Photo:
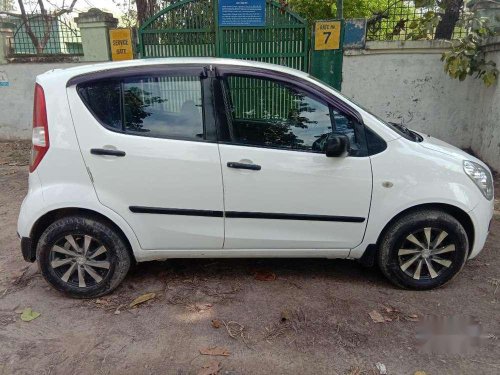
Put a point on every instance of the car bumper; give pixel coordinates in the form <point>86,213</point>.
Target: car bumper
<point>482,217</point>
<point>30,210</point>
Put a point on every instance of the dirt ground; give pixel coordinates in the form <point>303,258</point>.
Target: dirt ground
<point>280,316</point>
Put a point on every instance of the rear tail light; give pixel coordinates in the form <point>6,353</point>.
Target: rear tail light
<point>40,138</point>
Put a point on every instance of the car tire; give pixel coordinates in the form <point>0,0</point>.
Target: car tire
<point>423,250</point>
<point>82,257</point>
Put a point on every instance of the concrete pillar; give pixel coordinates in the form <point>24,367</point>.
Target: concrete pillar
<point>6,34</point>
<point>94,26</point>
<point>488,9</point>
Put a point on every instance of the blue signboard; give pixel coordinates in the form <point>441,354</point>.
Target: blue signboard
<point>242,12</point>
<point>355,33</point>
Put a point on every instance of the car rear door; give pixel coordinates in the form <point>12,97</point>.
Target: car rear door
<point>147,137</point>
<point>280,189</point>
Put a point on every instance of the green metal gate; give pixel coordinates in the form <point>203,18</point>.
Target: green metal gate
<point>184,29</point>
<point>283,41</point>
<point>189,28</point>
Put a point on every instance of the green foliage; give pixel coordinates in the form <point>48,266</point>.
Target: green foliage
<point>363,8</point>
<point>423,27</point>
<point>313,10</point>
<point>467,58</point>
<point>326,9</point>
<point>424,3</point>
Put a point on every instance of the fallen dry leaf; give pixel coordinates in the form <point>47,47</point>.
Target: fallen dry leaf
<point>420,373</point>
<point>265,276</point>
<point>412,318</point>
<point>216,323</point>
<point>141,299</point>
<point>390,309</point>
<point>376,316</point>
<point>28,315</point>
<point>212,367</point>
<point>215,350</point>
<point>199,307</point>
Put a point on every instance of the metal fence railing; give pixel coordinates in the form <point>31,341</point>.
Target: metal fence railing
<point>53,36</point>
<point>398,20</point>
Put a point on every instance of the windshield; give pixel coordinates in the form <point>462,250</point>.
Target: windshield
<point>401,129</point>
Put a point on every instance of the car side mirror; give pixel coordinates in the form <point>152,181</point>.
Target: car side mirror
<point>337,145</point>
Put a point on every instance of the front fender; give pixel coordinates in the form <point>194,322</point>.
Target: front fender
<point>406,176</point>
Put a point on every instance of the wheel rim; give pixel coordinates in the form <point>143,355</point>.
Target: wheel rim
<point>80,260</point>
<point>427,253</point>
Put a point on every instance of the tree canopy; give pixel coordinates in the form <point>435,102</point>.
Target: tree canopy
<point>324,9</point>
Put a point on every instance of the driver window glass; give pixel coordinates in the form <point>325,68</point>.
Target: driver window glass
<point>268,113</point>
<point>345,125</point>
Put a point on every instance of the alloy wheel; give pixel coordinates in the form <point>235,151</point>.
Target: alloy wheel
<point>426,253</point>
<point>80,260</point>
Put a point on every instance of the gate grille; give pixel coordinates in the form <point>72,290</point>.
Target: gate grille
<point>188,29</point>
<point>184,29</point>
<point>283,41</point>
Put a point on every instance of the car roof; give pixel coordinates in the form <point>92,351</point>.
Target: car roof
<point>68,73</point>
<point>61,77</point>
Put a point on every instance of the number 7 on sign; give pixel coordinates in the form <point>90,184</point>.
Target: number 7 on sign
<point>327,35</point>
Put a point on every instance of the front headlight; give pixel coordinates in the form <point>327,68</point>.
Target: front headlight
<point>481,177</point>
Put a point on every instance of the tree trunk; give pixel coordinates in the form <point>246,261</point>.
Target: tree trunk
<point>145,9</point>
<point>445,27</point>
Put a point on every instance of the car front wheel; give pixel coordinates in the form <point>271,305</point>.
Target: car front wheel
<point>423,250</point>
<point>82,257</point>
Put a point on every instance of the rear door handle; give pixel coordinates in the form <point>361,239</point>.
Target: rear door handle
<point>106,151</point>
<point>253,167</point>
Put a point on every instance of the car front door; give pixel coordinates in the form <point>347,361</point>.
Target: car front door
<point>280,189</point>
<point>147,137</point>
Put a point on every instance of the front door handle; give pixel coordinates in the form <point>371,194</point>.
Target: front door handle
<point>106,151</point>
<point>253,167</point>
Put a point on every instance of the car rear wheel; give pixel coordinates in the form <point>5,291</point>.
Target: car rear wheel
<point>82,257</point>
<point>423,250</point>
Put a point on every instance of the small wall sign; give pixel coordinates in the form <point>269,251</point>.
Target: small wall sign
<point>242,12</point>
<point>4,80</point>
<point>355,33</point>
<point>326,35</point>
<point>120,41</point>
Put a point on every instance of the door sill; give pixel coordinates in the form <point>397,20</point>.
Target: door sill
<point>147,255</point>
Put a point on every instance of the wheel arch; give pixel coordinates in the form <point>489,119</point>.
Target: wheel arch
<point>368,257</point>
<point>49,217</point>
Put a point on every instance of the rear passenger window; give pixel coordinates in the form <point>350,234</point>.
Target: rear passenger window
<point>164,107</point>
<point>161,107</point>
<point>103,99</point>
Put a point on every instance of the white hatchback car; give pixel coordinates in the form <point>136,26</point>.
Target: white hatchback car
<point>202,157</point>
